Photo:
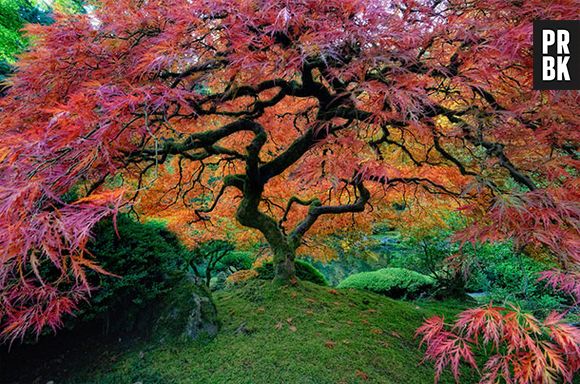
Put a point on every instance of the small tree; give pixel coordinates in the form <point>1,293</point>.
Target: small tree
<point>204,259</point>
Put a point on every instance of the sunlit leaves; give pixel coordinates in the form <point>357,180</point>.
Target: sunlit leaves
<point>517,347</point>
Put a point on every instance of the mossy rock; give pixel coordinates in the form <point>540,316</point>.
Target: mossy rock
<point>188,313</point>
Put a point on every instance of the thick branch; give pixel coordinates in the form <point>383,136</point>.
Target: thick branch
<point>316,210</point>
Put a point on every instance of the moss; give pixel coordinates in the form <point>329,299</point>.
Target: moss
<point>303,334</point>
<point>187,313</point>
<point>304,271</point>
<point>392,282</point>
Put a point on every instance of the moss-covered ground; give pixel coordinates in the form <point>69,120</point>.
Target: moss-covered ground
<point>303,334</point>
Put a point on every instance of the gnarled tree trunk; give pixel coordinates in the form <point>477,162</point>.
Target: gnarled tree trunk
<point>284,266</point>
<point>248,214</point>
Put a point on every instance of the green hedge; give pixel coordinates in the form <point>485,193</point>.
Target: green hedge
<point>304,271</point>
<point>392,282</point>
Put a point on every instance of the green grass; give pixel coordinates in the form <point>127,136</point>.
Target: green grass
<point>305,334</point>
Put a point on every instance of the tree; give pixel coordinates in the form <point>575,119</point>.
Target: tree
<point>208,255</point>
<point>287,116</point>
<point>15,13</point>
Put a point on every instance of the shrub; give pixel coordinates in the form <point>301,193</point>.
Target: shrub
<point>304,271</point>
<point>392,282</point>
<point>235,261</point>
<point>146,258</point>
<point>497,269</point>
<point>508,276</point>
<point>231,263</point>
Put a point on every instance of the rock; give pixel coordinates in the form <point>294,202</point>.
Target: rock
<point>188,312</point>
<point>243,330</point>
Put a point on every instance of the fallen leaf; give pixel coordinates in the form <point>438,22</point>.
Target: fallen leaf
<point>261,310</point>
<point>293,328</point>
<point>361,375</point>
<point>333,292</point>
<point>293,295</point>
<point>329,344</point>
<point>289,320</point>
<point>397,335</point>
<point>278,325</point>
<point>310,300</point>
<point>377,331</point>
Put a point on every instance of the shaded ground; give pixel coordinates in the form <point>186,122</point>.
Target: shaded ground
<point>306,334</point>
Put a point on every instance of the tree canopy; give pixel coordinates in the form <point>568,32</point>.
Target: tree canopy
<point>289,117</point>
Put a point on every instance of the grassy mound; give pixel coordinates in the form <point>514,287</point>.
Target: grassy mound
<point>305,334</point>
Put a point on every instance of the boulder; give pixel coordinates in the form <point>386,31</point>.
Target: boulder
<point>188,312</point>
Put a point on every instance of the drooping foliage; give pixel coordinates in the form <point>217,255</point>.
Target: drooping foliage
<point>288,116</point>
<point>518,347</point>
<point>14,14</point>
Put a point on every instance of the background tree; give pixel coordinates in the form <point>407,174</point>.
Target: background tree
<point>288,116</point>
<point>204,259</point>
<point>14,14</point>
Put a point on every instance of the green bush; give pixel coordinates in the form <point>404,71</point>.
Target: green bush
<point>304,271</point>
<point>235,261</point>
<point>507,276</point>
<point>392,282</point>
<point>146,258</point>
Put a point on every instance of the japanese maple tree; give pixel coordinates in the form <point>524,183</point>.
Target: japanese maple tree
<point>519,348</point>
<point>288,116</point>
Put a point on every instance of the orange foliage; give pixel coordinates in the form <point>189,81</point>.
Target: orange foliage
<point>241,276</point>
